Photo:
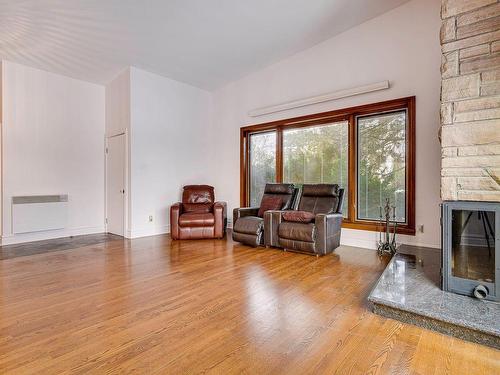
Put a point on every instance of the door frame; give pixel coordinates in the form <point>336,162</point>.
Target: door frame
<point>126,227</point>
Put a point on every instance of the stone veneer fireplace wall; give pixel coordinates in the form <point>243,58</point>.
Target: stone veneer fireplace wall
<point>415,286</point>
<point>470,100</point>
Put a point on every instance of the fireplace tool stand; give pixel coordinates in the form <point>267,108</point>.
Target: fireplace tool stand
<point>388,245</point>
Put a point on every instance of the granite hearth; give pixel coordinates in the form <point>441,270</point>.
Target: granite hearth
<point>409,290</point>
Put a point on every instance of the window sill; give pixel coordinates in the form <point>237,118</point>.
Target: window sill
<point>376,227</point>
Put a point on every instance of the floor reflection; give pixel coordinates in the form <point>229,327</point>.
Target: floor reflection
<point>273,306</point>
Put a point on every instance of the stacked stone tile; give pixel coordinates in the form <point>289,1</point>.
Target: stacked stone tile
<point>470,100</point>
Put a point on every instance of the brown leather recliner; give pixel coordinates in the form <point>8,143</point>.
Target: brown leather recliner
<point>314,228</point>
<point>198,216</point>
<point>248,226</point>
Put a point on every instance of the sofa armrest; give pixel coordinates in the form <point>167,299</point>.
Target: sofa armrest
<point>244,211</point>
<point>220,215</point>
<point>272,221</point>
<point>328,228</point>
<point>175,212</point>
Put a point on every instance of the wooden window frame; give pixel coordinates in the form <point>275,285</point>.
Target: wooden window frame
<point>350,115</point>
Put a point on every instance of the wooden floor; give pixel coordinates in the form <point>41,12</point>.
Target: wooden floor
<point>150,306</point>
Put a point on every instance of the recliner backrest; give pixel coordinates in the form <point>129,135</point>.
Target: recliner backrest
<point>286,192</point>
<point>321,198</point>
<point>198,198</point>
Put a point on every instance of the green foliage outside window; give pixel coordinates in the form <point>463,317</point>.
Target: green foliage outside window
<point>382,164</point>
<point>262,164</point>
<point>317,154</point>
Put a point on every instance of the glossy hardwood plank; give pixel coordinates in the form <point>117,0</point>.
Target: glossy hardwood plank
<point>155,306</point>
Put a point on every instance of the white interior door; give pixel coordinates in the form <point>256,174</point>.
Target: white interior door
<point>115,185</point>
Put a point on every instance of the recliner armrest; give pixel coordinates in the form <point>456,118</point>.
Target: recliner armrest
<point>221,206</point>
<point>244,211</point>
<point>177,206</point>
<point>220,215</point>
<point>175,212</point>
<point>333,221</point>
<point>328,228</point>
<point>272,220</point>
<point>329,217</point>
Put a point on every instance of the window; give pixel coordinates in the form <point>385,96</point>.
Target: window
<point>381,171</point>
<point>262,164</point>
<point>316,154</point>
<point>367,150</point>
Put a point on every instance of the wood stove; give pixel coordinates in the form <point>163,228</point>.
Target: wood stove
<point>471,249</point>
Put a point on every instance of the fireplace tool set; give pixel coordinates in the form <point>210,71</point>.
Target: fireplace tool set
<point>387,246</point>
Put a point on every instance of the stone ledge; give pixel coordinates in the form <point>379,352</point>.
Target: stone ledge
<point>440,326</point>
<point>465,172</point>
<point>474,105</point>
<point>479,64</point>
<point>471,41</point>
<point>484,132</point>
<point>479,14</point>
<point>482,196</point>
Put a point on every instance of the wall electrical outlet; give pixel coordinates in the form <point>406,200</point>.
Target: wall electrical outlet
<point>150,218</point>
<point>421,228</point>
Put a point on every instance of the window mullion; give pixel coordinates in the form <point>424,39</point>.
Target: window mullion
<point>351,204</point>
<point>279,155</point>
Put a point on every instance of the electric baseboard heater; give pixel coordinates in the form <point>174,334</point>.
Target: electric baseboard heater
<point>36,213</point>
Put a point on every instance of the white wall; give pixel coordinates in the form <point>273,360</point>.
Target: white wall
<point>118,104</point>
<point>401,46</point>
<point>53,138</point>
<point>171,146</point>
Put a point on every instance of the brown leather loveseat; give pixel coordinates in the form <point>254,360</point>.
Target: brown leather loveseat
<point>314,227</point>
<point>198,216</point>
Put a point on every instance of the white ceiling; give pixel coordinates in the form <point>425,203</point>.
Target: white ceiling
<point>206,43</point>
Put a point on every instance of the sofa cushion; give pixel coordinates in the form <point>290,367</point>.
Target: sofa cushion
<point>299,216</point>
<point>196,219</point>
<point>249,225</point>
<point>269,202</point>
<point>297,231</point>
<point>198,207</point>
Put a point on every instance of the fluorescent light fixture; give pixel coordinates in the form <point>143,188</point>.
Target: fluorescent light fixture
<point>383,85</point>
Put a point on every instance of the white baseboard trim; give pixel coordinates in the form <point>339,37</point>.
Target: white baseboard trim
<point>368,240</point>
<point>49,235</point>
<point>372,245</point>
<point>147,231</point>
<point>357,242</point>
<point>366,244</point>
